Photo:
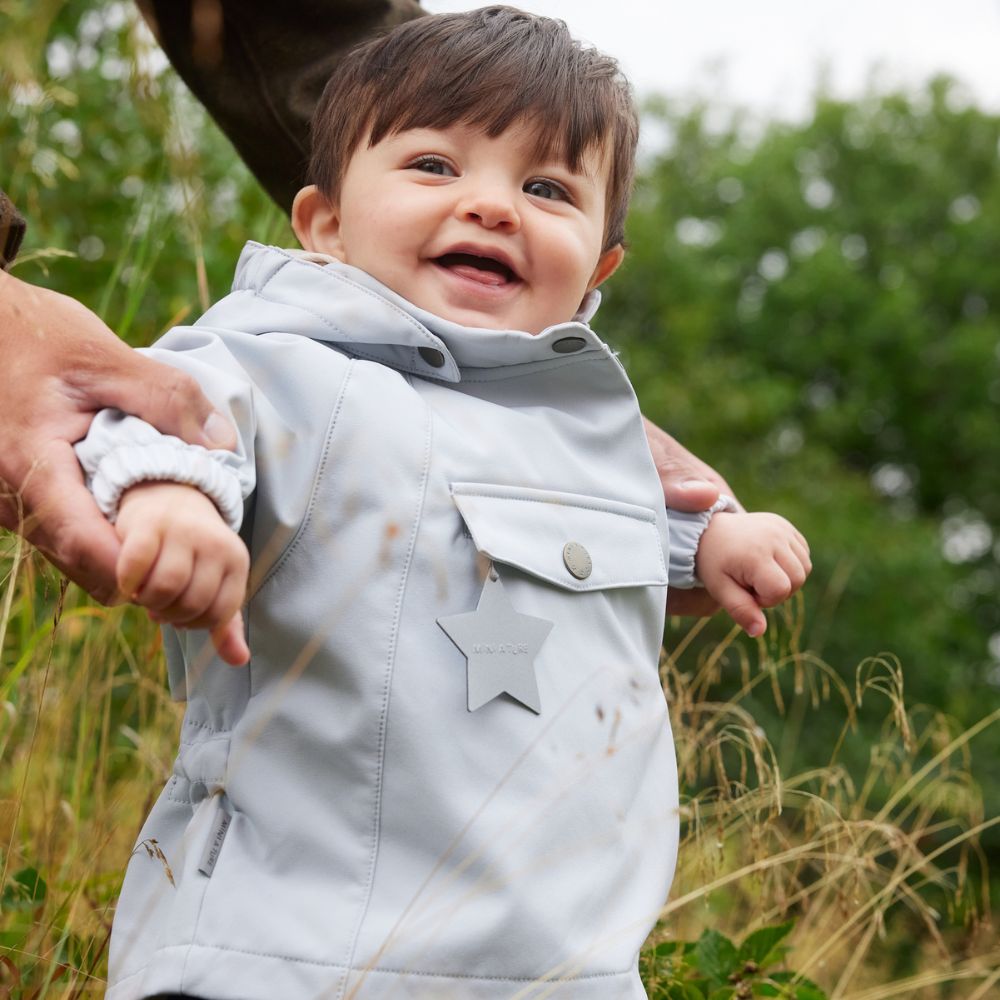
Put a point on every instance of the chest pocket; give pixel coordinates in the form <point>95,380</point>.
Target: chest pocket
<point>573,541</point>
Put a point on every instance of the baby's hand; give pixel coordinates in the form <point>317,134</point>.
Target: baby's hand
<point>751,561</point>
<point>183,563</point>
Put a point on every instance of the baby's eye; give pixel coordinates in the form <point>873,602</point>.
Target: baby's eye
<point>547,189</point>
<point>433,165</point>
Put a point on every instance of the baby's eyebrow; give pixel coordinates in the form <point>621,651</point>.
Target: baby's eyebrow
<point>580,171</point>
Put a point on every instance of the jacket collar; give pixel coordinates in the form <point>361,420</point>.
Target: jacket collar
<point>326,300</point>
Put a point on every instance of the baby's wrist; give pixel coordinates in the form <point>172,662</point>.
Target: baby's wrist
<point>686,531</point>
<point>162,494</point>
<point>725,507</point>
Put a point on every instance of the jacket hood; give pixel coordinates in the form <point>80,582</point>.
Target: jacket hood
<point>314,296</point>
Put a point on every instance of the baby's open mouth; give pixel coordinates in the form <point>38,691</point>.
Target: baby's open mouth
<point>485,270</point>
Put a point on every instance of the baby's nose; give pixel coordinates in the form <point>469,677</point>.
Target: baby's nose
<point>492,207</point>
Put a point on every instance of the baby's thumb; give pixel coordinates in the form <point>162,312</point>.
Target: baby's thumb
<point>229,642</point>
<point>740,604</point>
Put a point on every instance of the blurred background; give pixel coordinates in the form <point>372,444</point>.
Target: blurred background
<point>811,303</point>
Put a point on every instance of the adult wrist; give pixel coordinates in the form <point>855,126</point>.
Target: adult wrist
<point>12,229</point>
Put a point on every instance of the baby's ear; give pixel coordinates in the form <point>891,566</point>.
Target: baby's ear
<point>609,262</point>
<point>316,222</point>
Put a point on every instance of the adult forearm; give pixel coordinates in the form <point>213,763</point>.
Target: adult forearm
<point>61,363</point>
<point>689,484</point>
<point>259,68</point>
<point>12,227</point>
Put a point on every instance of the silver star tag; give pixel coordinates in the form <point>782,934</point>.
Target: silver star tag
<point>500,645</point>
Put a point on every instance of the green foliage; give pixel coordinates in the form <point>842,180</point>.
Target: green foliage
<point>814,308</point>
<point>714,968</point>
<point>25,891</point>
<point>137,206</point>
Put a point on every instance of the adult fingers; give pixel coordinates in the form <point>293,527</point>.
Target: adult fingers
<point>696,602</point>
<point>167,398</point>
<point>688,483</point>
<point>57,514</point>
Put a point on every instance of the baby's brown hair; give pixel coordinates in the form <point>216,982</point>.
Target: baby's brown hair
<point>489,68</point>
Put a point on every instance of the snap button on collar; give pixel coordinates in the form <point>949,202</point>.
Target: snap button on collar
<point>569,345</point>
<point>432,356</point>
<point>577,560</point>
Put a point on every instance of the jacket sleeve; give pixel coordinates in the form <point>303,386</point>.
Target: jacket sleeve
<point>121,450</point>
<point>685,532</point>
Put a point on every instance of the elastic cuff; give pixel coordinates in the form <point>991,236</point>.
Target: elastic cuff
<point>685,533</point>
<point>166,462</point>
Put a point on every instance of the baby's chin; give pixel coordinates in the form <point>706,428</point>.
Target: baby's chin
<point>482,319</point>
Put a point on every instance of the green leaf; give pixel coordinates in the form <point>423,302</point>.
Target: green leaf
<point>683,991</point>
<point>759,946</point>
<point>800,989</point>
<point>25,890</point>
<point>665,949</point>
<point>723,993</point>
<point>715,957</point>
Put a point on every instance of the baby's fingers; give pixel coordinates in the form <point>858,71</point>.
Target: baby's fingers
<point>229,642</point>
<point>795,565</point>
<point>227,599</point>
<point>135,559</point>
<point>772,585</point>
<point>740,605</point>
<point>801,550</point>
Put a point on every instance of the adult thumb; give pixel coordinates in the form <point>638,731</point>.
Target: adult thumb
<point>164,396</point>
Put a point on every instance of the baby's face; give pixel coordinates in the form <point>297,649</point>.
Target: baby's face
<point>474,229</point>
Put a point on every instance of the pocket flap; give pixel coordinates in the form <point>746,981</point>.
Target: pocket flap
<point>531,529</point>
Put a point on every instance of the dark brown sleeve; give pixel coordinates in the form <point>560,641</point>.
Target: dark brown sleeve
<point>259,67</point>
<point>12,227</point>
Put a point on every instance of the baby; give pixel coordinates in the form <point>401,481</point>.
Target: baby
<point>447,769</point>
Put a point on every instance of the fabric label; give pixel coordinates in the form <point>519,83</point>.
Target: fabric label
<point>214,845</point>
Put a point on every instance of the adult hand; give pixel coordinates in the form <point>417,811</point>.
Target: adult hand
<point>60,365</point>
<point>689,485</point>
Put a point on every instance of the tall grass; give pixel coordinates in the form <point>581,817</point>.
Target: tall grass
<point>880,870</point>
<point>882,874</point>
<point>87,734</point>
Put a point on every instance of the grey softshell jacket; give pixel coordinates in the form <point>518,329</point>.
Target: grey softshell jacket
<point>338,824</point>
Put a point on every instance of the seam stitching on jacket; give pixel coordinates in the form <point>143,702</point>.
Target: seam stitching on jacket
<point>555,503</point>
<point>593,355</point>
<point>314,489</point>
<point>343,280</point>
<point>194,724</point>
<point>384,716</point>
<point>545,364</point>
<point>561,505</point>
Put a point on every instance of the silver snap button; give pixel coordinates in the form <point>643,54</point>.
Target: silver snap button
<point>569,345</point>
<point>577,560</point>
<point>432,356</point>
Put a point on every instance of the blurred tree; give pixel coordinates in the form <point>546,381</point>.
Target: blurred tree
<point>116,166</point>
<point>816,308</point>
